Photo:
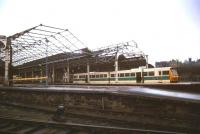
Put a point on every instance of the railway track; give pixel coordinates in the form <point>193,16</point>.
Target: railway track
<point>21,126</point>
<point>17,120</point>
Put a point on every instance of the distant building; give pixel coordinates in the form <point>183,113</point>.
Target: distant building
<point>163,64</point>
<point>172,63</point>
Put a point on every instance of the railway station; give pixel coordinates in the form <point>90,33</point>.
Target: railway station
<point>49,77</point>
<point>50,54</point>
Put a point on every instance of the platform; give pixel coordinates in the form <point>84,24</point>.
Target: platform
<point>178,110</point>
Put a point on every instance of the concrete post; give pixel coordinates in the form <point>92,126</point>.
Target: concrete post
<point>147,65</point>
<point>88,72</point>
<point>46,67</point>
<point>68,76</point>
<point>25,75</point>
<point>116,68</point>
<point>41,71</point>
<point>8,61</point>
<point>53,74</point>
<point>32,74</point>
<point>147,61</point>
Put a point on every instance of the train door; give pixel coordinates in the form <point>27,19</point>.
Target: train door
<point>138,77</point>
<point>86,79</point>
<point>71,78</point>
<point>109,77</point>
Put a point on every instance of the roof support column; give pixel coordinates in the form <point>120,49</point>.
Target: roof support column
<point>53,74</point>
<point>8,62</point>
<point>46,67</point>
<point>88,72</point>
<point>32,74</point>
<point>116,68</point>
<point>68,76</point>
<point>147,66</point>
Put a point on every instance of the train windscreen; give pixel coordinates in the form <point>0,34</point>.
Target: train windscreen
<point>174,72</point>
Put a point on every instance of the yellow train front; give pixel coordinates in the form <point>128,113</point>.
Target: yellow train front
<point>173,75</point>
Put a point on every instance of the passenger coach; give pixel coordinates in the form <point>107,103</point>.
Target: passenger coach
<point>132,76</point>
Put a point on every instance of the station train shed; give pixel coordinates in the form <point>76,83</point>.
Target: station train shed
<point>45,53</point>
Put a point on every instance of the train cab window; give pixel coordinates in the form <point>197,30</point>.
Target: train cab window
<point>121,75</point>
<point>165,72</point>
<point>132,74</point>
<point>144,73</point>
<point>105,75</point>
<point>112,75</point>
<point>151,73</point>
<point>174,72</point>
<point>127,74</point>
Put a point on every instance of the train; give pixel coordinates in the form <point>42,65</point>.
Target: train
<point>132,76</point>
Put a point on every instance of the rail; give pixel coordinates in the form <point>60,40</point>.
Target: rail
<point>14,125</point>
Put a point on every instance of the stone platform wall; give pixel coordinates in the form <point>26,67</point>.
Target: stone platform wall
<point>146,110</point>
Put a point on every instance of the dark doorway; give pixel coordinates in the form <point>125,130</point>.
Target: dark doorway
<point>138,77</point>
<point>71,78</point>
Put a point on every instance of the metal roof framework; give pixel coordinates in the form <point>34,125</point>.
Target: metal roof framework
<point>43,41</point>
<point>128,49</point>
<point>48,45</point>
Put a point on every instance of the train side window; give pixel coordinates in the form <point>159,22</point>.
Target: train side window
<point>97,76</point>
<point>127,74</point>
<point>105,75</point>
<point>112,75</point>
<point>144,73</point>
<point>132,74</point>
<point>92,76</point>
<point>165,72</point>
<point>101,75</point>
<point>75,77</point>
<point>81,76</point>
<point>121,74</point>
<point>151,73</point>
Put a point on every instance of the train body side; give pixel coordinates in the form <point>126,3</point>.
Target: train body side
<point>132,76</point>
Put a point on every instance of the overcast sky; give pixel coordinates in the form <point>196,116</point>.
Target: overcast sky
<point>163,29</point>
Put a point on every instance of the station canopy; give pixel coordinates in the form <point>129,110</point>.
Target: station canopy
<point>43,41</point>
<point>57,45</point>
